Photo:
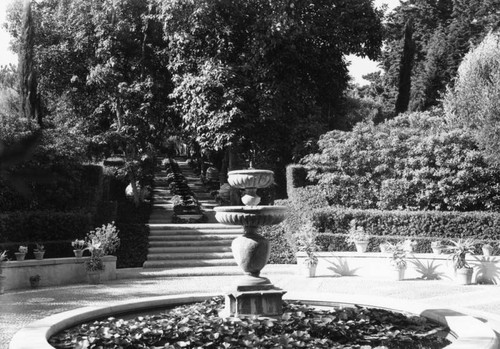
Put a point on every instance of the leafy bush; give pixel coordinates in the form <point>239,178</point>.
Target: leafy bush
<point>296,177</point>
<point>281,251</point>
<point>474,100</point>
<point>412,162</point>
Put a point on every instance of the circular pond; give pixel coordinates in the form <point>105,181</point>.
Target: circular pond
<point>196,326</point>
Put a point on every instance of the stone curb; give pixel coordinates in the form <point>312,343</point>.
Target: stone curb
<point>470,332</point>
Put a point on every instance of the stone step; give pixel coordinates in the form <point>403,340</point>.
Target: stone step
<point>204,237</point>
<point>193,237</point>
<point>188,249</point>
<point>201,231</point>
<point>188,263</point>
<point>189,255</point>
<point>191,226</point>
<point>190,243</point>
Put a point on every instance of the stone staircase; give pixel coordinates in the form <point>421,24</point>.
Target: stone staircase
<point>187,245</point>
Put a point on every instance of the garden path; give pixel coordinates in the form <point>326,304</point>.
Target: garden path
<point>186,245</point>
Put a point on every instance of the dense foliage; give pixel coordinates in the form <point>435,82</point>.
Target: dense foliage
<point>474,99</point>
<point>413,162</point>
<point>265,75</point>
<point>444,31</point>
<point>199,326</point>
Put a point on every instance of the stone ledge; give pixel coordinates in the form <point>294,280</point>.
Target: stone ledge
<point>52,271</point>
<point>469,332</point>
<point>419,265</point>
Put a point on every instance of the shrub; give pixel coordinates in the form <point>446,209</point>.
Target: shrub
<point>474,100</point>
<point>412,162</point>
<point>296,177</point>
<point>281,251</point>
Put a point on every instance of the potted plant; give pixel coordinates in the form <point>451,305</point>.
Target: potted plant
<point>39,251</point>
<point>487,250</point>
<point>437,247</point>
<point>397,259</point>
<point>106,237</point>
<point>21,254</point>
<point>459,250</point>
<point>384,246</point>
<point>78,247</point>
<point>306,242</point>
<point>35,281</point>
<point>409,245</point>
<point>357,236</point>
<point>94,267</point>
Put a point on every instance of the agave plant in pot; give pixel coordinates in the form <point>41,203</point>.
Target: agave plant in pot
<point>459,250</point>
<point>306,242</point>
<point>357,236</point>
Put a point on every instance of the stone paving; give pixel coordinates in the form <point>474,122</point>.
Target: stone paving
<point>22,307</point>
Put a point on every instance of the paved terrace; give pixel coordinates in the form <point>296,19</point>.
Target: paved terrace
<point>22,307</point>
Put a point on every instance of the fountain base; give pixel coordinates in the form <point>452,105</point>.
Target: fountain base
<point>262,302</point>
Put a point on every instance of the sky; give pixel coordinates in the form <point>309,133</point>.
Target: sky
<point>358,67</point>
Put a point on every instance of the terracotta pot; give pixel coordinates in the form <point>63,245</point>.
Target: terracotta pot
<point>463,276</point>
<point>20,256</point>
<point>94,277</point>
<point>361,246</point>
<point>78,253</point>
<point>39,254</point>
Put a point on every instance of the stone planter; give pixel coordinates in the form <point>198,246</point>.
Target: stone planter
<point>94,277</point>
<point>437,249</point>
<point>39,255</point>
<point>309,271</point>
<point>78,253</point>
<point>361,246</point>
<point>399,273</point>
<point>20,256</point>
<point>463,276</point>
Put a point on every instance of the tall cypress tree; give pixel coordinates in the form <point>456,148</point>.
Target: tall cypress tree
<point>405,70</point>
<point>27,73</point>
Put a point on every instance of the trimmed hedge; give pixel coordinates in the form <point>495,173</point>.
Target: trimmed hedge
<point>34,226</point>
<point>54,229</point>
<point>296,177</point>
<point>422,226</point>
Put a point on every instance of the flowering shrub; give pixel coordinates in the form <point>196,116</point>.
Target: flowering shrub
<point>412,162</point>
<point>104,238</point>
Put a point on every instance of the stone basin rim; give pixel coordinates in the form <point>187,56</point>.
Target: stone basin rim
<point>250,171</point>
<point>469,332</point>
<point>251,209</point>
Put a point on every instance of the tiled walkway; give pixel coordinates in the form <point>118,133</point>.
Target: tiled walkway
<point>22,307</point>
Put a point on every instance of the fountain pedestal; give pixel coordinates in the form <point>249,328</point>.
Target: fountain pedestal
<point>253,294</point>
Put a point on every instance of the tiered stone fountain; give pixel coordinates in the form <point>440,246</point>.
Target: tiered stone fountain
<point>252,294</point>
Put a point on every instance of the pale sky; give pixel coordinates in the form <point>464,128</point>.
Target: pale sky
<point>357,69</point>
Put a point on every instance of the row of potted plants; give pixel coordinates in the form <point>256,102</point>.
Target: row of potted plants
<point>397,252</point>
<point>186,207</point>
<point>99,242</point>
